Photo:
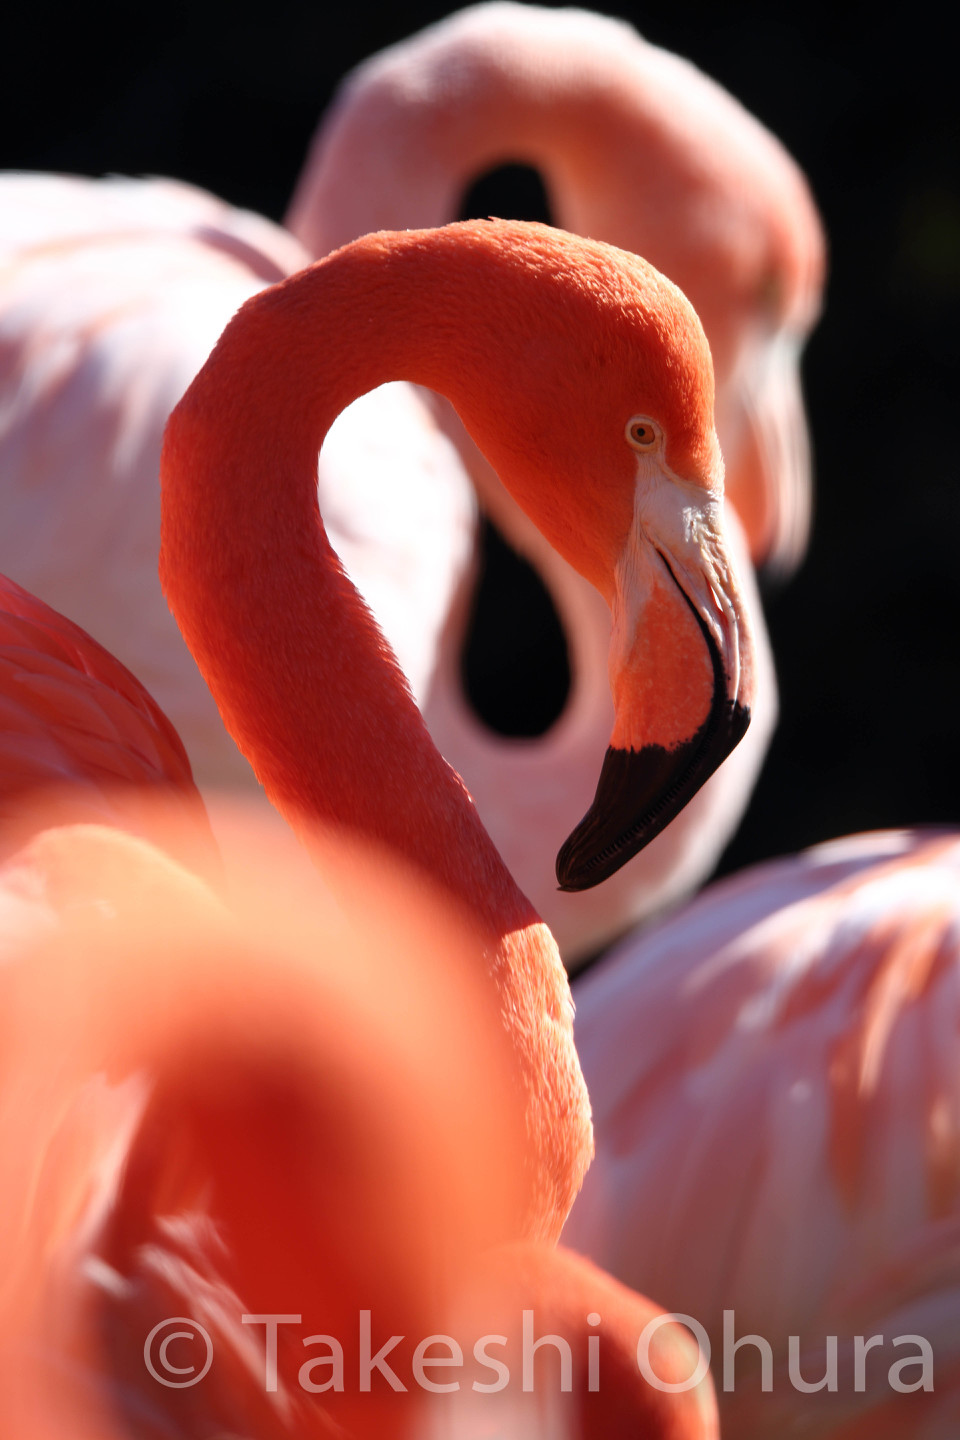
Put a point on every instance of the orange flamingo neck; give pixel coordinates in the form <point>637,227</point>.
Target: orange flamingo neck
<point>303,677</point>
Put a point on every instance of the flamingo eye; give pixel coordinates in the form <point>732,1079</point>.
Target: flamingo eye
<point>643,433</point>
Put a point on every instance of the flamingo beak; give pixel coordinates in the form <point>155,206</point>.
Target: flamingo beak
<point>681,672</point>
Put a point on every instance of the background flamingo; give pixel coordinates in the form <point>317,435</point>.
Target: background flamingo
<point>635,147</point>
<point>137,242</point>
<point>773,1073</point>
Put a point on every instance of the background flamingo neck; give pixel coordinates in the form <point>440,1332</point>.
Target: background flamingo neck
<point>613,124</point>
<point>304,679</point>
<point>576,96</point>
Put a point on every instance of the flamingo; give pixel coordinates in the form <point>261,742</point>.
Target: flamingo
<point>784,1050</point>
<point>631,494</point>
<point>586,379</point>
<point>609,1396</point>
<point>150,273</point>
<point>636,147</point>
<point>636,500</point>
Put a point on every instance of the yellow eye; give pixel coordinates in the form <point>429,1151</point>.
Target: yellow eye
<point>642,432</point>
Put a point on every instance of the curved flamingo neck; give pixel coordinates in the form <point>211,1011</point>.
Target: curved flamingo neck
<point>304,679</point>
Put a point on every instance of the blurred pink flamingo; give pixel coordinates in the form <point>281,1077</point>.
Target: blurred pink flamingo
<point>116,290</point>
<point>774,1079</point>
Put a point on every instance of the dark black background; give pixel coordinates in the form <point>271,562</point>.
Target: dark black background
<point>866,635</point>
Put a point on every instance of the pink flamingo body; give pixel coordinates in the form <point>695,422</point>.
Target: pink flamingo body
<point>636,147</point>
<point>406,539</point>
<point>784,1049</point>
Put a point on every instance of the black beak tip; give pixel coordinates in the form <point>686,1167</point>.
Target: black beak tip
<point>638,794</point>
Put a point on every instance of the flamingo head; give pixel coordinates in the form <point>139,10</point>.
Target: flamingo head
<point>598,416</point>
